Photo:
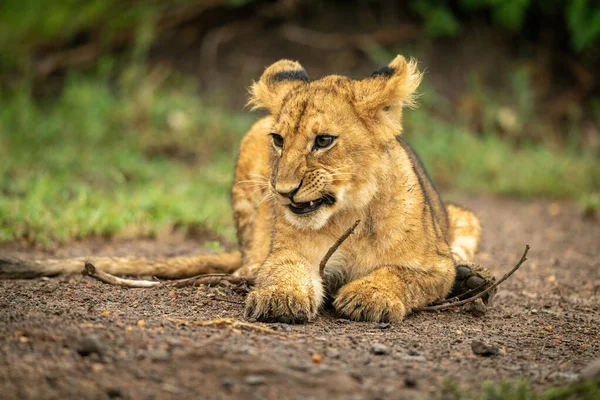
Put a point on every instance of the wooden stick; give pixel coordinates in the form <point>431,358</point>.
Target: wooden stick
<point>94,272</point>
<point>472,299</point>
<point>454,299</point>
<point>211,279</point>
<point>335,246</point>
<point>205,279</point>
<point>231,323</point>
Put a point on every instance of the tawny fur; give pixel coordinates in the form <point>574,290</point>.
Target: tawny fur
<point>401,256</point>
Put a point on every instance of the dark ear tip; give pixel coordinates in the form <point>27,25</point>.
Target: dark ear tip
<point>294,75</point>
<point>385,72</point>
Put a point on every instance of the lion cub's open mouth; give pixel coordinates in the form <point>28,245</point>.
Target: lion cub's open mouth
<point>310,206</point>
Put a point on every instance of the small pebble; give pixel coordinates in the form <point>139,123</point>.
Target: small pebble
<point>333,353</point>
<point>384,325</point>
<point>478,308</point>
<point>357,376</point>
<point>380,349</point>
<point>247,350</point>
<point>113,393</point>
<point>419,359</point>
<point>482,349</point>
<point>90,344</point>
<point>159,355</point>
<point>227,382</point>
<point>410,382</point>
<point>255,380</point>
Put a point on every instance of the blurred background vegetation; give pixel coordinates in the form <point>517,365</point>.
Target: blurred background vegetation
<point>124,117</point>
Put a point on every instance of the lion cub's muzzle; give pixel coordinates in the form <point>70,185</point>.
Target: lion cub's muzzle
<point>310,206</point>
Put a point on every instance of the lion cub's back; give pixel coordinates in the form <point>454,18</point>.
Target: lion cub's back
<point>431,196</point>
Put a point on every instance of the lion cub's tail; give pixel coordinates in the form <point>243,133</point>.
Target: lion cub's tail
<point>171,267</point>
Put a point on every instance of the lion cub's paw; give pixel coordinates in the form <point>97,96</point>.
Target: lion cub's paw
<point>472,278</point>
<point>364,300</point>
<point>287,304</point>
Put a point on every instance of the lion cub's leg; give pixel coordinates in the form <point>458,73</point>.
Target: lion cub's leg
<point>288,289</point>
<point>464,232</point>
<point>250,199</point>
<point>389,293</point>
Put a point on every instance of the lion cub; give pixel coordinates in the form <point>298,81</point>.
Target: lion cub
<point>329,153</point>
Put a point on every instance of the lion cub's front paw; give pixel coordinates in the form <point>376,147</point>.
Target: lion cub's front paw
<point>287,304</point>
<point>364,300</point>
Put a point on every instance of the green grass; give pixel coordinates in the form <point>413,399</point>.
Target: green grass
<point>521,390</point>
<point>458,159</point>
<point>96,161</point>
<point>138,156</point>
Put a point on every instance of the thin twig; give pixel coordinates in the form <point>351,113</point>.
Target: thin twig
<point>462,295</point>
<point>162,283</point>
<point>205,279</point>
<point>230,323</point>
<point>94,272</point>
<point>335,246</point>
<point>225,300</point>
<point>472,299</point>
<point>211,279</point>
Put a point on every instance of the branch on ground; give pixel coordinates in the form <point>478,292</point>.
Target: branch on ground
<point>204,279</point>
<point>450,303</point>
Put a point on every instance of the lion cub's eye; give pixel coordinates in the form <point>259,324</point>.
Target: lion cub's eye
<point>323,141</point>
<point>277,140</point>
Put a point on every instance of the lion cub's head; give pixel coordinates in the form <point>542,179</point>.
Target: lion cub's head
<point>330,136</point>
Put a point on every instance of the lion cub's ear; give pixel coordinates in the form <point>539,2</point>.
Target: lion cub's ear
<point>389,88</point>
<point>275,83</point>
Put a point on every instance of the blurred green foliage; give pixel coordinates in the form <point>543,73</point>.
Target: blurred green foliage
<point>520,390</point>
<point>100,159</point>
<point>26,26</point>
<point>30,25</point>
<point>581,18</point>
<point>583,21</point>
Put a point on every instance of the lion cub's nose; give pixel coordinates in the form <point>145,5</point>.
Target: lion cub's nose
<point>288,190</point>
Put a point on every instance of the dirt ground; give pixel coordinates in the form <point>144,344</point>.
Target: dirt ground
<point>74,337</point>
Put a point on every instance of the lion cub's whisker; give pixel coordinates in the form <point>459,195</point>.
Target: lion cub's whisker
<point>253,181</point>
